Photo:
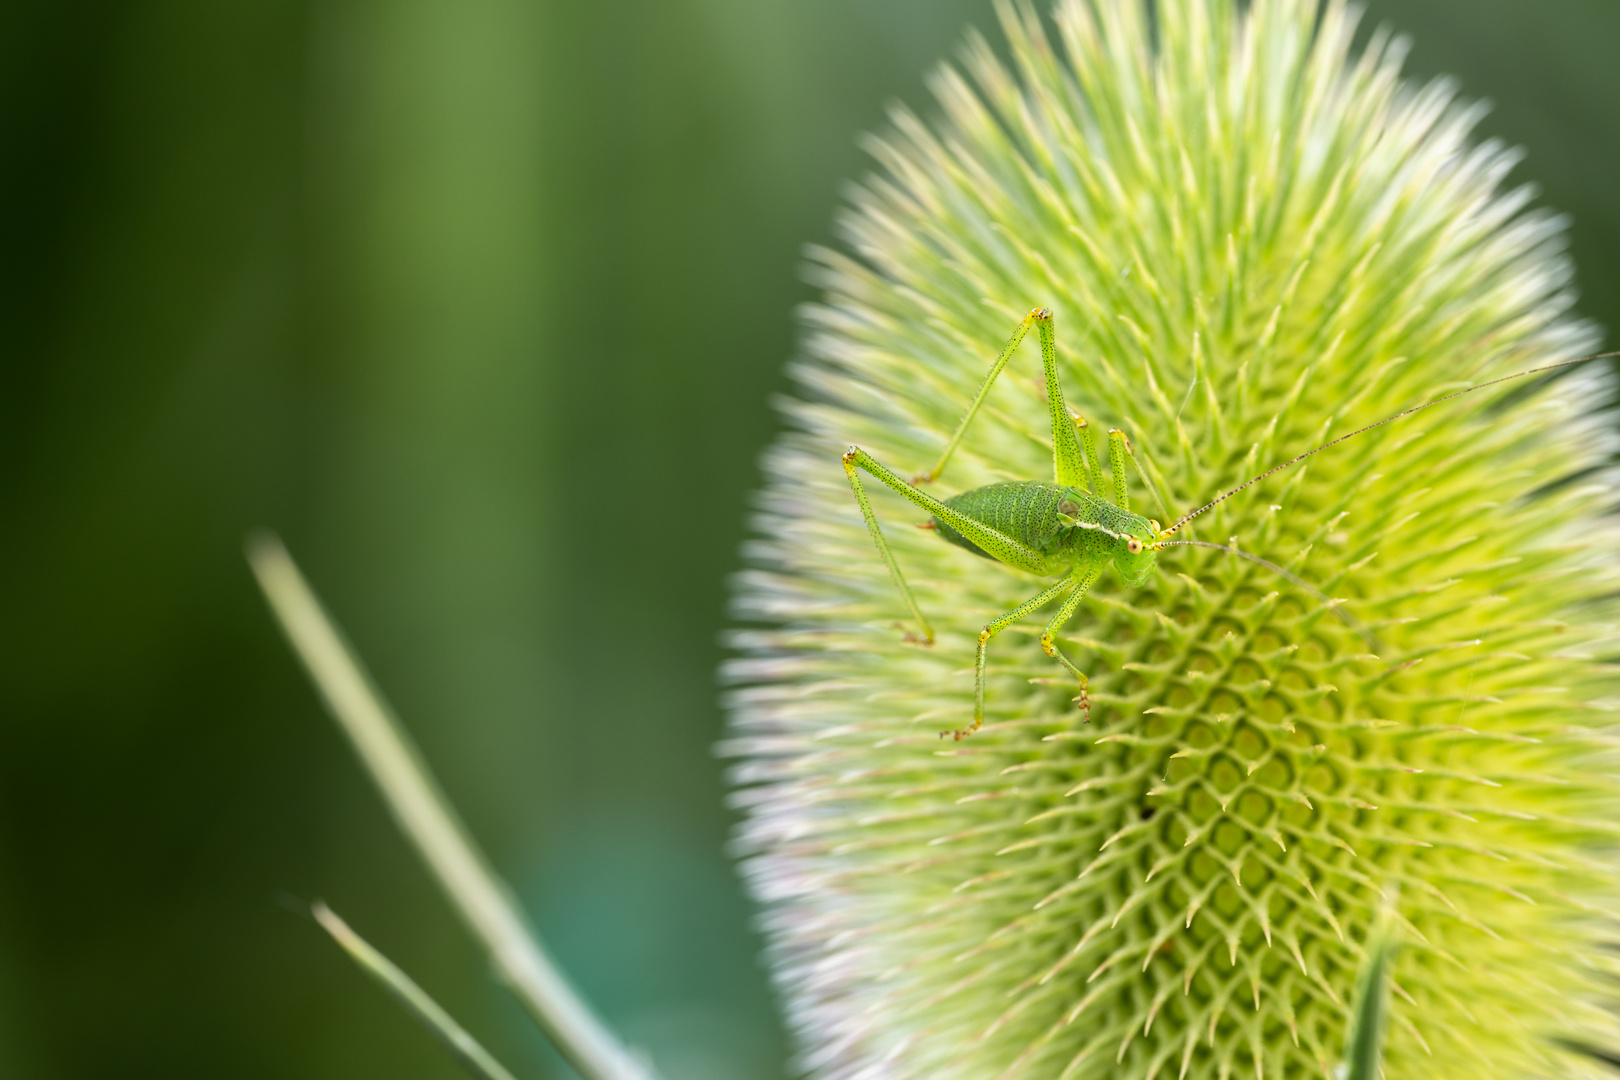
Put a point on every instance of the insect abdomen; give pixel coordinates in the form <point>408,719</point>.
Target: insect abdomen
<point>1026,511</point>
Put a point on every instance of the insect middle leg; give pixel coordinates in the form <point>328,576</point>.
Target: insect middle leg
<point>993,628</point>
<point>1086,579</point>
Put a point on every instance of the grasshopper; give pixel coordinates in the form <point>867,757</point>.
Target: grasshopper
<point>1068,527</point>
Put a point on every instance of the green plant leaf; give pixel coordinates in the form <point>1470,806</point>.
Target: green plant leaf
<point>1364,1045</point>
<point>425,816</point>
<point>462,1046</point>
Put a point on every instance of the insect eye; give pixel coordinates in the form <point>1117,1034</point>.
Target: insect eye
<point>1134,546</point>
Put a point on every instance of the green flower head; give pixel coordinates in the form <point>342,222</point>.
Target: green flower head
<point>1252,241</point>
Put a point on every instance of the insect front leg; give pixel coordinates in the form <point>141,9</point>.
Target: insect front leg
<point>1086,579</point>
<point>991,629</point>
<point>1118,445</point>
<point>1089,450</point>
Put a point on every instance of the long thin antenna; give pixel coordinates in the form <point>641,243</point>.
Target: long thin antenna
<point>1381,423</point>
<point>1349,619</point>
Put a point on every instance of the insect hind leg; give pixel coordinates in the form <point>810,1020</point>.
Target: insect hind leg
<point>1068,466</point>
<point>997,545</point>
<point>850,469</point>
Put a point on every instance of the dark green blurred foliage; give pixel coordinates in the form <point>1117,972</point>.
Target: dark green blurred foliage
<point>480,305</point>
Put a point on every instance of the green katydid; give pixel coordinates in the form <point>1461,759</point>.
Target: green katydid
<point>1068,527</point>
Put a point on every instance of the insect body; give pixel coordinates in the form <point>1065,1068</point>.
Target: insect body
<point>1067,528</point>
<point>1066,525</point>
<point>1064,529</point>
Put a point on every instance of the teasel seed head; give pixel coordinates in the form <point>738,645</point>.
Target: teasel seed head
<point>1253,239</point>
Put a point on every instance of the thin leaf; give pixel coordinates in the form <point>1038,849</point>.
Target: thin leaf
<point>425,815</point>
<point>462,1046</point>
<point>1364,1049</point>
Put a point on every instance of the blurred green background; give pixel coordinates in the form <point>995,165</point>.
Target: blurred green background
<point>481,306</point>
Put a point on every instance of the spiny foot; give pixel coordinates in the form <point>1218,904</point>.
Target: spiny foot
<point>911,637</point>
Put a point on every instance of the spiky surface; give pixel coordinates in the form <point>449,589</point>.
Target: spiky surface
<point>1252,240</point>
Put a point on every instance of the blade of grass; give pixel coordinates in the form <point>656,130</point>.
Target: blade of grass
<point>1364,1048</point>
<point>462,1046</point>
<point>425,815</point>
